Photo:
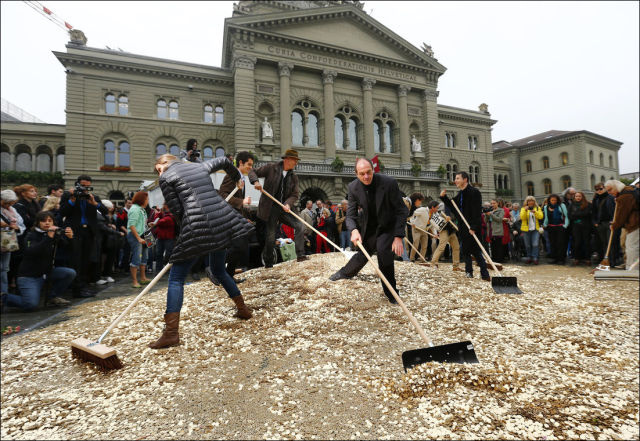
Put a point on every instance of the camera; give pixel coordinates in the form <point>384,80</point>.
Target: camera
<point>195,153</point>
<point>82,192</point>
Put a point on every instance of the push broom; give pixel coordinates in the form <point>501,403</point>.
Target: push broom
<point>104,356</point>
<point>461,352</point>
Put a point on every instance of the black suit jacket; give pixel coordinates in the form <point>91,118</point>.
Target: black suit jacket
<point>72,214</point>
<point>471,207</point>
<point>391,211</point>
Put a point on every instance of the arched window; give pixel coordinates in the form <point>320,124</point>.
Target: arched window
<point>564,158</point>
<point>162,109</point>
<point>161,149</point>
<point>388,137</point>
<point>446,139</point>
<point>376,137</point>
<point>219,115</point>
<point>219,152</point>
<point>43,159</point>
<point>110,104</point>
<point>527,165</point>
<point>548,188</point>
<point>499,181</point>
<point>602,179</point>
<point>109,153</point>
<point>208,113</point>
<point>312,130</point>
<point>593,181</point>
<point>610,161</point>
<point>545,162</point>
<point>506,182</point>
<point>60,154</point>
<point>124,154</point>
<point>474,174</point>
<point>207,152</point>
<point>296,128</point>
<point>590,156</point>
<point>601,159</point>
<point>472,142</point>
<point>530,189</point>
<point>123,105</point>
<point>338,132</point>
<point>352,134</point>
<point>173,110</point>
<point>452,169</point>
<point>566,181</point>
<point>174,149</point>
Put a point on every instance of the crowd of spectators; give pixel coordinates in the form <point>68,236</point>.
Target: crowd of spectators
<point>71,240</point>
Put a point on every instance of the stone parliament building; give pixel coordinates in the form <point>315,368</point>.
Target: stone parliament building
<point>322,77</point>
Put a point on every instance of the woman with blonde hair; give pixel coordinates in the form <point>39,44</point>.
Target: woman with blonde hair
<point>52,204</point>
<point>530,216</point>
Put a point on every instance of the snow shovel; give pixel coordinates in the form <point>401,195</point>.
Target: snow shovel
<point>461,352</point>
<point>305,223</point>
<point>500,284</point>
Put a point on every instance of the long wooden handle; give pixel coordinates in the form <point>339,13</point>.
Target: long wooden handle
<point>615,211</point>
<point>416,250</point>
<point>482,250</point>
<point>420,229</point>
<point>138,297</point>
<point>414,322</point>
<point>228,198</point>
<point>453,225</point>
<point>305,223</point>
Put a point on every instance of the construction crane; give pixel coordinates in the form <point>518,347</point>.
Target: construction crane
<point>49,15</point>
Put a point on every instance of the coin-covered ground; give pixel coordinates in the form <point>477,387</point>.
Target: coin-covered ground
<point>322,360</point>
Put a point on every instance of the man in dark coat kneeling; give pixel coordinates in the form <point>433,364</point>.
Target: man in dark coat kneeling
<point>381,225</point>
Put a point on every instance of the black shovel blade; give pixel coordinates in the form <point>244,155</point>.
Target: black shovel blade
<point>462,352</point>
<point>505,285</point>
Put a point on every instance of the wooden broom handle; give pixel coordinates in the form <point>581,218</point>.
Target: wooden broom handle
<point>305,223</point>
<point>420,229</point>
<point>482,250</point>
<point>414,322</point>
<point>615,211</point>
<point>416,250</point>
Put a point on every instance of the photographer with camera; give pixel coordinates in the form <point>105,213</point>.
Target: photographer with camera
<point>191,154</point>
<point>38,265</point>
<point>79,207</point>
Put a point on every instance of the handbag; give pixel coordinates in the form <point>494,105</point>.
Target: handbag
<point>149,238</point>
<point>8,239</point>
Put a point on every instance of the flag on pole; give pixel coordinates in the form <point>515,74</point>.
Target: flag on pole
<point>376,167</point>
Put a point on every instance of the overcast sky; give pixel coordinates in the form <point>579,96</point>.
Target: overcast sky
<point>538,65</point>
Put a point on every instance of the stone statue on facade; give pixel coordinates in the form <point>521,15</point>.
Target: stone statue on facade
<point>267,131</point>
<point>427,49</point>
<point>415,144</point>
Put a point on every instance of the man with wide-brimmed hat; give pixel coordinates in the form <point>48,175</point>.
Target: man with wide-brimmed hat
<point>281,182</point>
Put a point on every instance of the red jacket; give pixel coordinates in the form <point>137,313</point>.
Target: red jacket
<point>166,226</point>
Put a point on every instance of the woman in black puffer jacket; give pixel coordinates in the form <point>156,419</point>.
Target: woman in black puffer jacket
<point>208,225</point>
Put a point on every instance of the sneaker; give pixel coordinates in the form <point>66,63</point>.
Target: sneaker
<point>58,301</point>
<point>486,278</point>
<point>195,276</point>
<point>529,261</point>
<point>110,280</point>
<point>455,268</point>
<point>469,275</point>
<point>302,258</point>
<point>101,281</point>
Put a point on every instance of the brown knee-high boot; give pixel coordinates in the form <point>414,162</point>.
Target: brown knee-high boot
<point>243,311</point>
<point>170,336</point>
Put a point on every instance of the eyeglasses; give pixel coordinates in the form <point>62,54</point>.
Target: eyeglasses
<point>598,188</point>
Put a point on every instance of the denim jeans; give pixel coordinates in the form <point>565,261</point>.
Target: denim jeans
<point>163,246</point>
<point>345,240</point>
<point>30,287</point>
<point>180,270</point>
<point>5,258</point>
<point>531,242</point>
<point>139,254</point>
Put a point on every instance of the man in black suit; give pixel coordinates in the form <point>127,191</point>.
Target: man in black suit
<point>379,227</point>
<point>79,207</point>
<point>469,201</point>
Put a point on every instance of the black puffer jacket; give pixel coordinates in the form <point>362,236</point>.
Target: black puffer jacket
<point>207,222</point>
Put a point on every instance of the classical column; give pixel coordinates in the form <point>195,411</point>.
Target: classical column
<point>405,147</point>
<point>367,123</point>
<point>34,159</point>
<point>285,105</point>
<point>431,140</point>
<point>329,135</point>
<point>243,99</point>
